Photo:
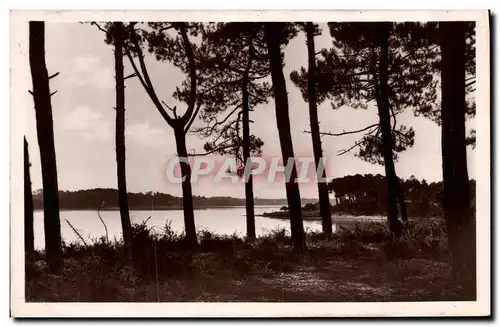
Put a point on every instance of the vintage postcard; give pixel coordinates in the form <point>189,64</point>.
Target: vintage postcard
<point>250,163</point>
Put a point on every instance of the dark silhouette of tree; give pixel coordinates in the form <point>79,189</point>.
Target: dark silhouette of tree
<point>428,36</point>
<point>457,209</point>
<point>29,245</point>
<point>45,132</point>
<point>376,62</point>
<point>383,105</point>
<point>324,200</point>
<point>179,51</point>
<point>277,34</point>
<point>118,33</point>
<point>454,47</point>
<point>364,194</point>
<point>232,64</point>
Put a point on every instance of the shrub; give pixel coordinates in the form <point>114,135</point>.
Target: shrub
<point>210,242</point>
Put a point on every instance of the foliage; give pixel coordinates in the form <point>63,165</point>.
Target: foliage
<point>347,76</point>
<point>233,70</point>
<point>427,35</point>
<point>365,194</point>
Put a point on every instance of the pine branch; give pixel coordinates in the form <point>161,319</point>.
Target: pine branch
<point>134,67</point>
<point>99,27</point>
<point>53,75</point>
<point>344,132</point>
<point>193,117</point>
<point>130,76</point>
<point>145,80</point>
<point>470,83</point>
<point>192,75</point>
<point>174,109</point>
<point>224,120</point>
<point>214,150</point>
<point>344,151</point>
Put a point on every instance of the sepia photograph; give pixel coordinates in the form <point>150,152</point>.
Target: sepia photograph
<point>265,164</point>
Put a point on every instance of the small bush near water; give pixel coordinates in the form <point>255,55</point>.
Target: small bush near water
<point>229,268</point>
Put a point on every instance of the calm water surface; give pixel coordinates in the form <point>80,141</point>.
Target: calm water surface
<point>216,220</point>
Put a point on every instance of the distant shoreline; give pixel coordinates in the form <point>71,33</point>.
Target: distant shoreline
<point>165,208</point>
<point>344,217</point>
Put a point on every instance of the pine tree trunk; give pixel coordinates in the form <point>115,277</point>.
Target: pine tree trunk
<point>273,39</point>
<point>457,210</point>
<point>324,198</point>
<point>29,244</point>
<point>249,200</point>
<point>120,137</point>
<point>187,193</point>
<point>45,133</point>
<point>385,126</point>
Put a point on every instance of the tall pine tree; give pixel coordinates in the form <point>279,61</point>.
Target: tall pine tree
<point>277,34</point>
<point>232,69</point>
<point>177,49</point>
<point>45,132</point>
<point>376,63</point>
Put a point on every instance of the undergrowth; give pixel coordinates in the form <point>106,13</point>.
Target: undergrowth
<point>102,271</point>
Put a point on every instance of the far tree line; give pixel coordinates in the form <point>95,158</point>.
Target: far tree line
<point>365,194</point>
<point>238,66</point>
<point>94,199</point>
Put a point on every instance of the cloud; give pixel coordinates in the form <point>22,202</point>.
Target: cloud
<point>146,135</point>
<point>92,124</point>
<point>90,70</point>
<point>89,123</point>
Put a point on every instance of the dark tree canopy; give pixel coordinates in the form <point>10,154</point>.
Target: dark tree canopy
<point>347,77</point>
<point>365,194</point>
<point>232,61</point>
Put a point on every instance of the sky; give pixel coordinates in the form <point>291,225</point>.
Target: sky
<point>84,122</point>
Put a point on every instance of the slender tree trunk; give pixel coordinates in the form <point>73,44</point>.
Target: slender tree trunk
<point>457,210</point>
<point>402,203</point>
<point>29,245</point>
<point>120,137</point>
<point>249,200</point>
<point>45,132</point>
<point>324,198</point>
<point>273,38</point>
<point>187,193</point>
<point>385,125</point>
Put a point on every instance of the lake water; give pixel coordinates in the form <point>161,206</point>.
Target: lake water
<point>216,220</point>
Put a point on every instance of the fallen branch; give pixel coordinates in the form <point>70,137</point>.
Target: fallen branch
<point>77,233</point>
